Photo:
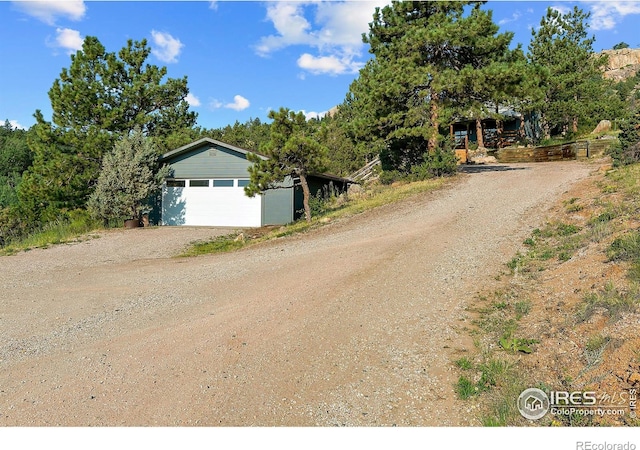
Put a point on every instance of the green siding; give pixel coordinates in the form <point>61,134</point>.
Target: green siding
<point>277,206</point>
<point>210,161</point>
<point>317,187</point>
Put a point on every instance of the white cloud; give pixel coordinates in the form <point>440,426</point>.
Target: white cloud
<point>562,9</point>
<point>313,115</point>
<point>334,29</point>
<point>15,125</point>
<point>167,47</point>
<point>239,103</point>
<point>605,15</point>
<point>68,39</point>
<point>328,64</point>
<point>213,5</point>
<point>48,10</point>
<point>291,25</point>
<point>515,16</point>
<point>192,100</point>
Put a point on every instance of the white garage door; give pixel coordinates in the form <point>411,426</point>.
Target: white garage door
<point>219,203</point>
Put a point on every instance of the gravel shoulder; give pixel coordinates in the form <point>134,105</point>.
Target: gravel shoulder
<point>353,324</point>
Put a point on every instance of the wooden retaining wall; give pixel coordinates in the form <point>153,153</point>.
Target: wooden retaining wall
<point>559,152</point>
<point>537,154</point>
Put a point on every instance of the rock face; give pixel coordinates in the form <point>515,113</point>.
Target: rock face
<point>622,63</point>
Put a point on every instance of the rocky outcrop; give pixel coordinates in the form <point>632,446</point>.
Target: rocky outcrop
<point>604,125</point>
<point>622,63</point>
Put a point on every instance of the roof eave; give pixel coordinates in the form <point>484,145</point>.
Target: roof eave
<point>204,141</point>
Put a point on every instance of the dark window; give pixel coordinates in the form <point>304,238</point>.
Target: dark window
<point>175,183</point>
<point>243,183</point>
<point>198,183</point>
<point>222,183</point>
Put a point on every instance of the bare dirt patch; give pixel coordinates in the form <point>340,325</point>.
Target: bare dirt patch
<point>355,323</point>
<point>577,349</point>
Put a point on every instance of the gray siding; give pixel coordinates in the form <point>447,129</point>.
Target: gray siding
<point>277,204</point>
<point>210,161</point>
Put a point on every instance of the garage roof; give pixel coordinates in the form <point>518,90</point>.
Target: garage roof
<point>204,141</point>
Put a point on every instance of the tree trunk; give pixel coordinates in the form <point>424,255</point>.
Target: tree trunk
<point>546,128</point>
<point>432,144</point>
<point>306,194</point>
<point>574,127</point>
<point>479,133</point>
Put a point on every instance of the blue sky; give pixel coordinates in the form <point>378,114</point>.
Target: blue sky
<point>242,58</point>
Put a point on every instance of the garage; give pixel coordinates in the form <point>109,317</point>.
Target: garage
<point>219,202</point>
<point>206,188</point>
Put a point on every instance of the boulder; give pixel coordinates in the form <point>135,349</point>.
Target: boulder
<point>604,125</point>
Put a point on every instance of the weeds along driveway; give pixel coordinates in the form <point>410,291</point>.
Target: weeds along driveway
<point>352,324</point>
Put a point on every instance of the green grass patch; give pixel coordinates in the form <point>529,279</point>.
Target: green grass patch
<point>625,248</point>
<point>465,388</point>
<point>218,245</point>
<point>491,373</point>
<point>596,343</point>
<point>72,227</point>
<point>572,205</point>
<point>464,363</point>
<point>565,229</point>
<point>611,301</point>
<point>522,308</point>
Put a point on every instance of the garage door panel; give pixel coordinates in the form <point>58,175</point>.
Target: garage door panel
<point>211,206</point>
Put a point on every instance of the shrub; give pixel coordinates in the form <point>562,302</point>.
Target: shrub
<point>389,176</point>
<point>439,163</point>
<point>130,175</point>
<point>625,248</point>
<point>627,149</point>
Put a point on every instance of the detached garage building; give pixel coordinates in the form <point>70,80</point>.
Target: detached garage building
<point>206,188</point>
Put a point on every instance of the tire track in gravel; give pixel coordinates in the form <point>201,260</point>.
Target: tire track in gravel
<point>354,324</point>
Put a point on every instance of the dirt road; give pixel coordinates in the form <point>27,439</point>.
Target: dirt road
<point>354,324</point>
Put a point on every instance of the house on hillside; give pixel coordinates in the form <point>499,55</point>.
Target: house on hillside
<point>507,128</point>
<point>206,188</point>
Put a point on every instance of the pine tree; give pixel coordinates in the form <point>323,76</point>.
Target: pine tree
<point>433,60</point>
<point>627,150</point>
<point>573,85</point>
<point>291,151</point>
<point>97,100</point>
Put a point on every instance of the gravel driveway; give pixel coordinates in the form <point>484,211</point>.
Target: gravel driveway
<point>352,324</point>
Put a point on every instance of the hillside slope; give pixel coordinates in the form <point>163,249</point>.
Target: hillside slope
<point>356,323</point>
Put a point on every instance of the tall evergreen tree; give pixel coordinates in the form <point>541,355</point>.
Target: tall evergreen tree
<point>15,158</point>
<point>433,60</point>
<point>627,150</point>
<point>99,98</point>
<point>291,151</point>
<point>573,87</point>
